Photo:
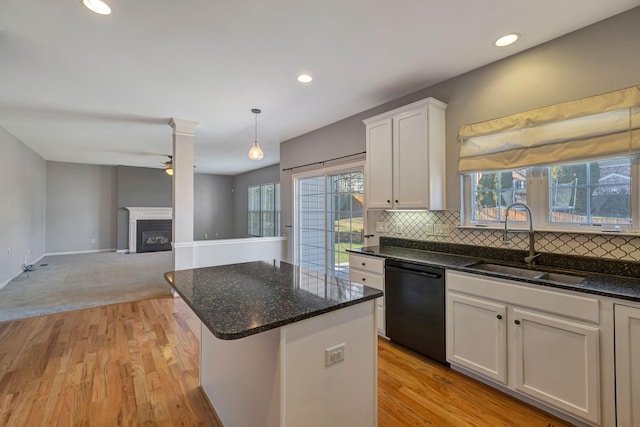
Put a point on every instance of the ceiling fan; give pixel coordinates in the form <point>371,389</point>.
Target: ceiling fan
<point>168,165</point>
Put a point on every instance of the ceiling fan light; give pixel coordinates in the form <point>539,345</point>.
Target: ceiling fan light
<point>97,6</point>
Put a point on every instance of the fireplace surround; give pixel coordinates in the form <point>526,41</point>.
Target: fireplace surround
<point>152,215</point>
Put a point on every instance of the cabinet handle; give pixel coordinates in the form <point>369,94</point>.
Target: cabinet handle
<point>396,201</point>
<point>364,263</point>
<point>499,316</point>
<point>517,322</point>
<point>388,201</point>
<point>364,280</point>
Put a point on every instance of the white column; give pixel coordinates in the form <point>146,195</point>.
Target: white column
<point>183,138</point>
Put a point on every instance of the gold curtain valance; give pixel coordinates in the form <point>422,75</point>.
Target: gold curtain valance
<point>597,126</point>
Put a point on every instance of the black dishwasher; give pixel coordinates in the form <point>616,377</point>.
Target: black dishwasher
<point>414,308</point>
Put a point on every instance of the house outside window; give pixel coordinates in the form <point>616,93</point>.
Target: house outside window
<point>263,216</point>
<point>599,194</point>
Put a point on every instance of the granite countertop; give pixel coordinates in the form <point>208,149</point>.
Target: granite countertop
<point>238,300</point>
<point>594,283</point>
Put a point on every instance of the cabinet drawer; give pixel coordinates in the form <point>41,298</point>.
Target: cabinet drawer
<point>375,281</point>
<point>366,278</point>
<point>362,262</point>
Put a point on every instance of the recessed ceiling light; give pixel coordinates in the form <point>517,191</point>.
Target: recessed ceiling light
<point>97,6</point>
<point>507,40</point>
<point>304,78</point>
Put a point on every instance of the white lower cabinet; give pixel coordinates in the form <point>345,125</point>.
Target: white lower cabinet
<point>627,343</point>
<point>369,270</point>
<point>477,338</point>
<point>557,362</point>
<point>536,342</point>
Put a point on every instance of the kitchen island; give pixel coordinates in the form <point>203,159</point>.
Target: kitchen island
<point>282,345</point>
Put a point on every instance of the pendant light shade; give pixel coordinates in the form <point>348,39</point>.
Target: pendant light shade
<point>256,152</point>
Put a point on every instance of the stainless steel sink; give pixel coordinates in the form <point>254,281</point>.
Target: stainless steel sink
<point>510,271</point>
<point>529,273</point>
<point>562,278</point>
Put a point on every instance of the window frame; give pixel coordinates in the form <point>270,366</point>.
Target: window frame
<point>537,198</point>
<point>261,211</point>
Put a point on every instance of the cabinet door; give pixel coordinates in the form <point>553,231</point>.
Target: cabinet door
<point>476,335</point>
<point>411,174</point>
<point>627,329</point>
<point>557,362</point>
<point>379,165</point>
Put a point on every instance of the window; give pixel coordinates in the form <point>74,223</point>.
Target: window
<point>494,191</point>
<point>263,216</point>
<point>601,193</point>
<point>591,193</point>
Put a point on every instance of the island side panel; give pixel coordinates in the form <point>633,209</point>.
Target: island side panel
<point>342,394</point>
<point>241,378</point>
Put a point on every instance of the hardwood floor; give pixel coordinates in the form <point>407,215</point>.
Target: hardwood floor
<point>136,363</point>
<point>414,391</point>
<point>128,364</point>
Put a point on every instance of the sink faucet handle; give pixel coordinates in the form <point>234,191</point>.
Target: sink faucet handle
<point>531,259</point>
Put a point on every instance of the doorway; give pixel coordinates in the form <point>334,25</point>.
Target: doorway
<point>329,217</point>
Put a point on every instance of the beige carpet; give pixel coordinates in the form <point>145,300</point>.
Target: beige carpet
<point>71,282</point>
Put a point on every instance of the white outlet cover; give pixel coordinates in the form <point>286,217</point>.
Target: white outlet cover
<point>429,229</point>
<point>381,227</point>
<point>334,354</point>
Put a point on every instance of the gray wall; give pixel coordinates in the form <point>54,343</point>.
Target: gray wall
<point>241,183</point>
<point>213,207</point>
<point>140,187</point>
<point>80,207</point>
<point>22,215</point>
<point>147,187</point>
<point>596,59</point>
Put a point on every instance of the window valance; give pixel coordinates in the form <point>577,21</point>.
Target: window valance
<point>598,126</point>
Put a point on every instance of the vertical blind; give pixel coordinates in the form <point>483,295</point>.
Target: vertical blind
<point>598,126</point>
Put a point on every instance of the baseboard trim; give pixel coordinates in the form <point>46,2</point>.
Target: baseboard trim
<point>122,251</point>
<point>6,282</point>
<point>94,251</point>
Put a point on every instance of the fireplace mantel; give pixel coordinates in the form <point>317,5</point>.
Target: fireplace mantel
<point>136,213</point>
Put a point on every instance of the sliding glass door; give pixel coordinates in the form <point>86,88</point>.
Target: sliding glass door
<point>330,219</point>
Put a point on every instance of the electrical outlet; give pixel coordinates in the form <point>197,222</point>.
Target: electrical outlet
<point>441,230</point>
<point>206,236</point>
<point>334,354</point>
<point>93,241</point>
<point>397,229</point>
<point>8,251</point>
<point>429,229</point>
<point>381,227</point>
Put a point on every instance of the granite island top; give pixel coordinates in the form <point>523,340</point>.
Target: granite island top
<point>239,300</point>
<point>600,284</point>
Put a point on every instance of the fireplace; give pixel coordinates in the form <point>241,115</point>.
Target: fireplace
<point>153,215</point>
<point>153,235</point>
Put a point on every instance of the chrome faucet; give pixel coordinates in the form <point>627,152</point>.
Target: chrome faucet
<point>531,259</point>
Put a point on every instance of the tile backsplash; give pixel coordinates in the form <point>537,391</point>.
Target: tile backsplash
<point>422,225</point>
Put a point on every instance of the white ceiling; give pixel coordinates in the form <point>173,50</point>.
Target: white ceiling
<point>80,87</point>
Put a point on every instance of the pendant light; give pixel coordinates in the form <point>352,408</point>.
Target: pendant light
<point>256,152</point>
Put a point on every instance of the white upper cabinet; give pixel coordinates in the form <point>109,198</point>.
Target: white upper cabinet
<point>405,166</point>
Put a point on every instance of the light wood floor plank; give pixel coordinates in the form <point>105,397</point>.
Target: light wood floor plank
<point>137,363</point>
